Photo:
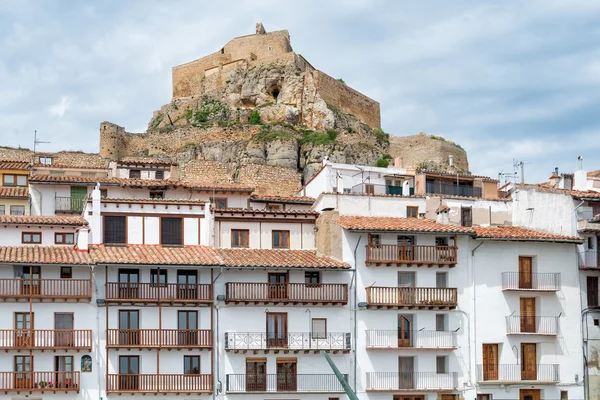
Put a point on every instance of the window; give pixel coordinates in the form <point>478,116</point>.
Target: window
<point>160,174</point>
<point>66,272</point>
<point>592,291</point>
<point>8,180</point>
<point>135,173</point>
<point>374,239</point>
<point>191,365</point>
<point>157,195</point>
<point>2,209</point>
<point>104,193</point>
<point>17,210</point>
<point>440,322</point>
<point>171,231</point>
<point>484,397</point>
<point>115,230</point>
<point>412,212</point>
<point>31,237</point>
<point>564,395</point>
<point>240,238</point>
<point>64,238</point>
<point>281,239</point>
<point>441,280</point>
<point>441,241</point>
<point>347,190</point>
<point>466,216</point>
<point>596,322</point>
<point>406,279</point>
<point>369,188</point>
<point>158,276</point>
<point>14,180</point>
<point>319,328</point>
<point>220,203</point>
<point>65,365</point>
<point>590,243</point>
<point>313,278</point>
<point>440,364</point>
<point>273,207</point>
<point>46,160</point>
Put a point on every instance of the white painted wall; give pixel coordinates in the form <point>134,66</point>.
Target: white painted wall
<point>302,235</point>
<point>363,205</point>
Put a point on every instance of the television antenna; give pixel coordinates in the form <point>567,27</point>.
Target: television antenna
<point>36,141</point>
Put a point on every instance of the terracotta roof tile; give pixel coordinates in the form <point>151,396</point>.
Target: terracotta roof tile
<point>399,225</point>
<point>517,233</point>
<point>132,200</point>
<point>283,199</point>
<point>252,211</point>
<point>42,220</point>
<point>19,165</point>
<point>146,161</point>
<point>64,255</point>
<point>14,193</point>
<point>72,166</point>
<point>155,255</point>
<point>272,258</point>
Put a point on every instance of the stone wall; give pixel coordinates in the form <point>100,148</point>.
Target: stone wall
<point>416,149</point>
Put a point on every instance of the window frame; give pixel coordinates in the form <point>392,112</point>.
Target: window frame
<point>239,234</point>
<point>17,206</point>
<point>64,236</point>
<point>282,234</point>
<point>157,194</point>
<point>444,359</point>
<point>15,178</point>
<point>104,233</point>
<point>45,160</point>
<point>137,172</point>
<point>273,207</point>
<point>410,210</point>
<point>157,272</point>
<point>309,275</point>
<point>31,235</point>
<point>64,271</point>
<point>323,335</point>
<point>2,209</point>
<point>173,234</point>
<point>217,200</point>
<point>442,318</point>
<point>191,358</point>
<point>161,172</point>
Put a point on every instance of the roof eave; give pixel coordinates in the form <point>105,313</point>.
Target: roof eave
<point>412,232</point>
<point>568,241</point>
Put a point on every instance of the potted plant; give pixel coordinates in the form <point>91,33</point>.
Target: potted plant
<point>43,384</point>
<point>50,385</point>
<point>67,383</point>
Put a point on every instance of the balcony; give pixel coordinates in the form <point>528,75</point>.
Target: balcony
<point>534,282</point>
<point>367,188</point>
<point>411,381</point>
<point>286,293</point>
<point>589,260</point>
<point>412,298</point>
<point>168,293</point>
<point>159,383</point>
<point>452,189</point>
<point>517,373</point>
<point>278,383</point>
<point>410,340</point>
<point>46,289</point>
<point>392,254</point>
<point>159,338</point>
<point>292,341</point>
<point>45,339</point>
<point>531,325</point>
<point>69,204</point>
<point>60,381</point>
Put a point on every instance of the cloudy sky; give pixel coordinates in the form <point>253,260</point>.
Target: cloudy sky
<point>507,80</point>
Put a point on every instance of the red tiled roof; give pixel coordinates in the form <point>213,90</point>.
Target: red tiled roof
<point>517,233</point>
<point>155,255</point>
<point>146,161</point>
<point>283,199</point>
<point>132,200</point>
<point>70,166</point>
<point>399,225</point>
<point>251,211</point>
<point>42,220</point>
<point>272,258</point>
<point>19,165</point>
<point>14,193</point>
<point>65,255</point>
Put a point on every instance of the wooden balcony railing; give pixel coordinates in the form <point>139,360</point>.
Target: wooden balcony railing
<point>387,254</point>
<point>46,289</point>
<point>393,381</point>
<point>402,339</point>
<point>58,381</point>
<point>297,383</point>
<point>52,339</point>
<point>517,372</point>
<point>160,383</point>
<point>295,341</point>
<point>117,292</point>
<point>411,297</point>
<point>159,338</point>
<point>295,293</point>
<point>531,324</point>
<point>541,282</point>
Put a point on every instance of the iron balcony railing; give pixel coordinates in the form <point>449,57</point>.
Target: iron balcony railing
<point>517,372</point>
<point>531,324</point>
<point>418,254</point>
<point>411,297</point>
<point>392,339</point>
<point>392,381</point>
<point>282,382</point>
<point>589,259</point>
<point>290,341</point>
<point>452,189</point>
<point>159,383</point>
<point>69,204</point>
<point>534,281</point>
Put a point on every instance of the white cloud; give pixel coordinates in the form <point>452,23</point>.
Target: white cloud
<point>59,109</point>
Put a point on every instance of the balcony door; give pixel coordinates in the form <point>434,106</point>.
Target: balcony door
<point>525,273</point>
<point>63,365</point>
<point>406,369</point>
<point>256,375</point>
<point>405,247</point>
<point>23,326</point>
<point>129,369</point>
<point>78,197</point>
<point>129,280</point>
<point>529,394</point>
<point>490,362</point>
<point>23,372</point>
<point>129,325</point>
<point>528,362</point>
<point>187,284</point>
<point>404,330</point>
<point>31,282</point>
<point>63,330</point>
<point>528,314</point>
<point>277,330</point>
<point>287,379</point>
<point>406,291</point>
<point>187,327</point>
<point>278,285</point>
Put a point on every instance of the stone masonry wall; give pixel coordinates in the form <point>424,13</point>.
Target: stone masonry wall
<point>413,150</point>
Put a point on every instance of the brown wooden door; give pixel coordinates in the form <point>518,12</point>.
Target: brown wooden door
<point>404,330</point>
<point>405,247</point>
<point>409,397</point>
<point>528,362</point>
<point>187,284</point>
<point>187,325</point>
<point>23,372</point>
<point>529,394</point>
<point>592,290</point>
<point>63,330</point>
<point>406,372</point>
<point>490,362</point>
<point>278,285</point>
<point>129,327</point>
<point>525,273</point>
<point>129,369</point>
<point>528,314</point>
<point>31,280</point>
<point>286,376</point>
<point>277,330</point>
<point>23,330</point>
<point>448,397</point>
<point>256,375</point>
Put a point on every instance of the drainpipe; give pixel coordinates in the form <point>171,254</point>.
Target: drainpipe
<point>355,307</point>
<point>215,330</point>
<point>474,314</point>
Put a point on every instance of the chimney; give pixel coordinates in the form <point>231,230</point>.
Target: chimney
<point>580,163</point>
<point>206,227</point>
<point>398,162</point>
<point>554,178</point>
<point>450,159</point>
<point>83,237</point>
<point>580,176</point>
<point>405,188</point>
<point>96,220</point>
<point>442,214</point>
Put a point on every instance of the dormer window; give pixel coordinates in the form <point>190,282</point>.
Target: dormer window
<point>135,173</point>
<point>46,160</point>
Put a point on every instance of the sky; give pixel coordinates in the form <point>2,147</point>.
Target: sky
<point>504,79</point>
